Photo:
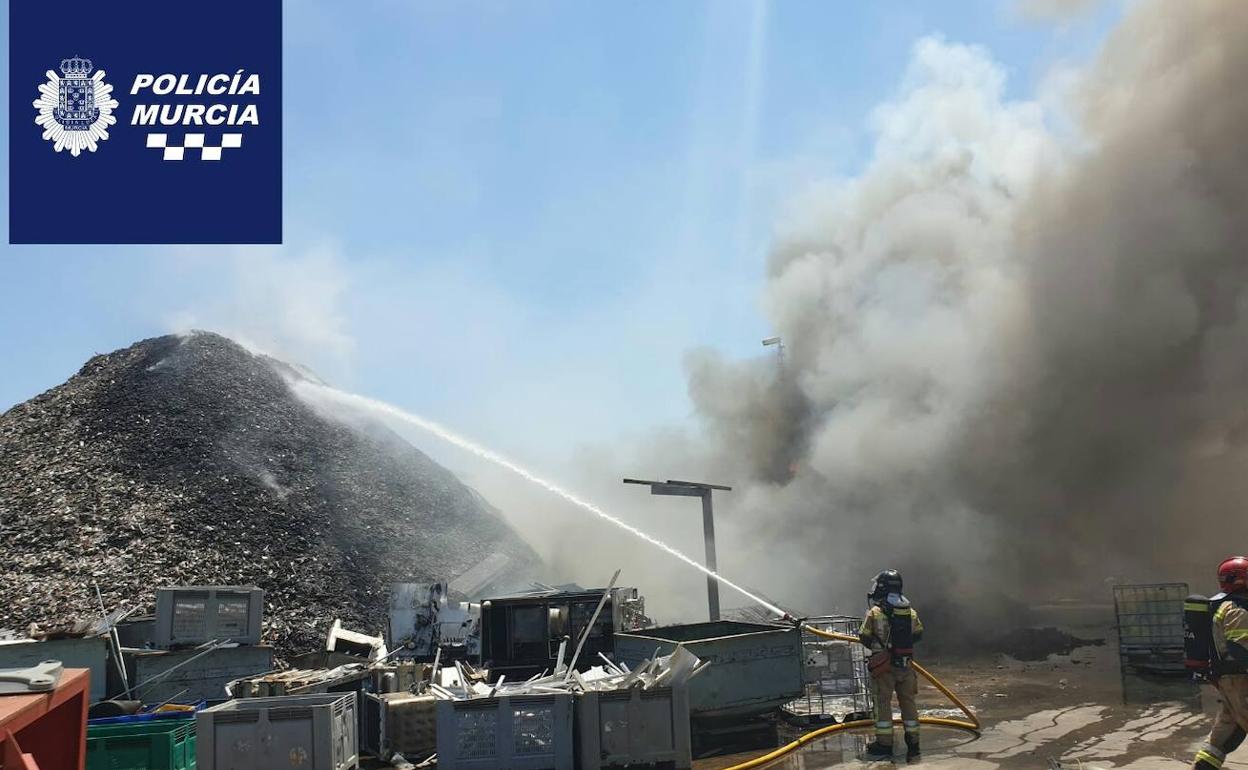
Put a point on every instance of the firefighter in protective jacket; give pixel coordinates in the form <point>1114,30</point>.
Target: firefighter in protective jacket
<point>1228,667</point>
<point>889,631</point>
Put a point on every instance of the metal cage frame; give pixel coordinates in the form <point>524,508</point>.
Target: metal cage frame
<point>843,685</point>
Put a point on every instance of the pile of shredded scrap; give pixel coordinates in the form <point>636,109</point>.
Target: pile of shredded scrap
<point>188,460</point>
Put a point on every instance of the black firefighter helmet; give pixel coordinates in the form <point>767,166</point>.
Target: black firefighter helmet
<point>887,582</point>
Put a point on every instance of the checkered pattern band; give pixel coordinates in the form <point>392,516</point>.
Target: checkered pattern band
<point>193,142</point>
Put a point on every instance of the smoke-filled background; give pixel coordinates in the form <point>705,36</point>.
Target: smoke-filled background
<point>1015,346</point>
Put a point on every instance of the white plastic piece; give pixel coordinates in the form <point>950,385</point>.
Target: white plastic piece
<point>40,678</point>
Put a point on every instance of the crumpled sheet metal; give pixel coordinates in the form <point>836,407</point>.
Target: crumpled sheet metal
<point>462,682</point>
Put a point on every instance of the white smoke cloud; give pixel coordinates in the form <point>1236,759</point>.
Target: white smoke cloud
<point>286,303</point>
<point>893,289</point>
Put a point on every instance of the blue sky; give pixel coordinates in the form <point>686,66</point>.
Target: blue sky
<point>516,217</point>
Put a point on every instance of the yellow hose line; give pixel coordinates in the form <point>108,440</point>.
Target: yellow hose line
<point>802,741</point>
<point>973,720</point>
<point>971,725</point>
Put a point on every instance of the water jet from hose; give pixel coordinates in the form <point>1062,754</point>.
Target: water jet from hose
<point>322,393</point>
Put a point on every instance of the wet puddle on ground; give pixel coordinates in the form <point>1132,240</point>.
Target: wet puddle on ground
<point>1078,711</point>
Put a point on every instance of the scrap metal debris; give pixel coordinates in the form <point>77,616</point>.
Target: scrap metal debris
<point>297,681</point>
<point>462,682</point>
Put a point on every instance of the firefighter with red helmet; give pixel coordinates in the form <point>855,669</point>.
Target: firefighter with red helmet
<point>1228,666</point>
<point>889,631</point>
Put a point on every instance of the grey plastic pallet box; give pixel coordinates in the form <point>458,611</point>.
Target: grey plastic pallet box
<point>623,728</point>
<point>530,732</point>
<point>310,732</point>
<point>187,615</point>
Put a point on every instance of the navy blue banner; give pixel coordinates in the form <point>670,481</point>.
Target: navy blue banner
<point>145,122</point>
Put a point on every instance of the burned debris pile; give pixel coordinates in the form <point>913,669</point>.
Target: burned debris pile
<point>188,460</point>
<point>1032,644</point>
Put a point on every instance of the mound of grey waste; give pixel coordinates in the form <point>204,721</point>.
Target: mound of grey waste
<point>188,460</point>
<point>1039,643</point>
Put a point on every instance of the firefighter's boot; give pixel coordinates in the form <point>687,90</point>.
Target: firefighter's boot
<point>912,747</point>
<point>877,750</point>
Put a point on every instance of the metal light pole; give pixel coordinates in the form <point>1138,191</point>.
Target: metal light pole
<point>696,489</point>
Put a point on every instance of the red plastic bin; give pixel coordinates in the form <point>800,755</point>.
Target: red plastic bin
<point>47,731</point>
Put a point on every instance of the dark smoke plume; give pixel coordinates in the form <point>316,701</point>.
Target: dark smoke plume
<point>1017,344</point>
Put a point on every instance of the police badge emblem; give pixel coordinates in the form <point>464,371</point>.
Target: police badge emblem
<point>76,107</point>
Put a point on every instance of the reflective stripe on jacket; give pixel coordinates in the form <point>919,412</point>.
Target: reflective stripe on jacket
<point>1230,624</point>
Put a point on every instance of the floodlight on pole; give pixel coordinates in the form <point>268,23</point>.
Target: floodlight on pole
<point>779,344</point>
<point>696,489</point>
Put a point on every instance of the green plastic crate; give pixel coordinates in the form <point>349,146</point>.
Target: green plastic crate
<point>161,744</point>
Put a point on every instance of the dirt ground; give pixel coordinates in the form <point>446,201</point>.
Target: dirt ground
<point>1067,711</point>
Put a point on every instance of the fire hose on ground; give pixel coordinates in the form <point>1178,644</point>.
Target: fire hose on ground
<point>970,724</point>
